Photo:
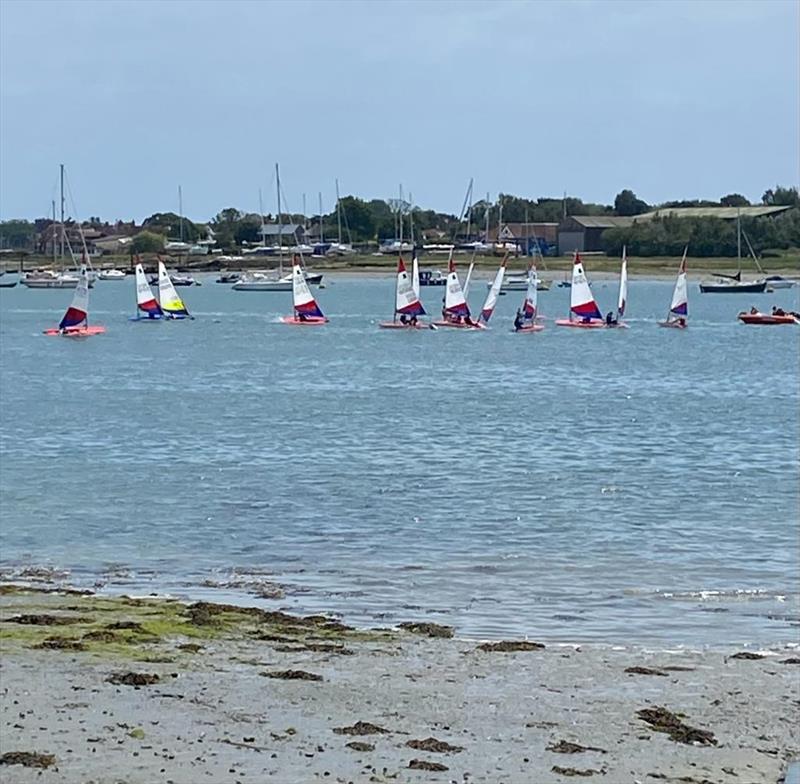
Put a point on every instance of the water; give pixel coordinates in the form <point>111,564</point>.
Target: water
<point>622,485</point>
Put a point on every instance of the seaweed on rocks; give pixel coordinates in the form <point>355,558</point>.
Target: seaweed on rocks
<point>100,635</point>
<point>362,728</point>
<point>29,759</point>
<point>133,678</point>
<point>663,720</point>
<point>748,655</point>
<point>293,675</point>
<point>510,646</point>
<point>436,767</point>
<point>60,644</point>
<point>567,747</point>
<point>575,772</point>
<point>43,619</point>
<point>432,744</point>
<point>131,625</point>
<point>636,670</point>
<point>427,629</point>
<point>790,660</point>
<point>359,745</point>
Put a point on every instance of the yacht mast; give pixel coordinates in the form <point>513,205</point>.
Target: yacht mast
<point>62,213</point>
<point>321,229</point>
<point>411,221</point>
<point>261,215</point>
<point>400,218</point>
<point>280,227</point>
<point>54,236</point>
<point>739,239</point>
<point>338,214</point>
<point>180,209</point>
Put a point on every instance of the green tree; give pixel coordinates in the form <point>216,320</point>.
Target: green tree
<point>734,200</point>
<point>627,203</point>
<point>248,229</point>
<point>169,224</point>
<point>147,242</point>
<point>17,234</point>
<point>781,196</point>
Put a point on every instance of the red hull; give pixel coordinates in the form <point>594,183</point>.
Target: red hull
<point>458,325</point>
<point>673,324</point>
<point>594,324</point>
<point>311,321</point>
<point>76,332</point>
<point>399,325</point>
<point>765,319</point>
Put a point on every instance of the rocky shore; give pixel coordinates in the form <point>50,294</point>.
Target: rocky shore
<point>102,690</point>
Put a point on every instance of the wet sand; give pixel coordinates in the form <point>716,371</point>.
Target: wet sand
<point>153,690</point>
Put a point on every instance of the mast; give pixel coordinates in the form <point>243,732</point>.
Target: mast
<point>338,215</point>
<point>739,239</point>
<point>486,215</point>
<point>62,214</point>
<point>261,215</point>
<point>469,213</point>
<point>54,236</point>
<point>280,227</point>
<point>180,209</point>
<point>411,221</point>
<point>400,219</point>
<point>305,222</point>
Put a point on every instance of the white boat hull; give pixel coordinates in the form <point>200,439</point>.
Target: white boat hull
<point>262,285</point>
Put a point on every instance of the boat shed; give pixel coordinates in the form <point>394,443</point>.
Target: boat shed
<point>293,232</point>
<point>585,232</point>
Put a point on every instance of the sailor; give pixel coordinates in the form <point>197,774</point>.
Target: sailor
<point>403,319</point>
<point>518,320</point>
<point>413,320</point>
<point>610,320</point>
<point>302,317</point>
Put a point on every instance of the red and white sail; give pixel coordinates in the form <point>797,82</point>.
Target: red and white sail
<point>302,297</point>
<point>623,285</point>
<point>530,306</point>
<point>582,301</point>
<point>494,292</point>
<point>406,299</point>
<point>77,313</point>
<point>145,300</point>
<point>454,301</point>
<point>415,275</point>
<point>680,296</point>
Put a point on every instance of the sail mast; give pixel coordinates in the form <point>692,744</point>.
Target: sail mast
<point>261,214</point>
<point>400,217</point>
<point>180,209</point>
<point>739,240</point>
<point>411,221</point>
<point>62,214</point>
<point>338,215</point>
<point>280,228</point>
<point>53,235</point>
<point>321,230</point>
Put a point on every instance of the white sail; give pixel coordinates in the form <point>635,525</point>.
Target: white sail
<point>144,295</point>
<point>680,296</point>
<point>623,285</point>
<point>415,275</point>
<point>78,311</point>
<point>581,299</point>
<point>454,300</point>
<point>494,292</point>
<point>468,278</point>
<point>168,298</point>
<point>406,299</point>
<point>530,306</point>
<point>302,297</point>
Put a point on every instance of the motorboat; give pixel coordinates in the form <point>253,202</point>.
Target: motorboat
<point>177,278</point>
<point>112,274</point>
<point>766,319</point>
<point>229,277</point>
<point>47,279</point>
<point>261,281</point>
<point>432,278</point>
<point>732,286</point>
<point>778,282</point>
<point>520,283</point>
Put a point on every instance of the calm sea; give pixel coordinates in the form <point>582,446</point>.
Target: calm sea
<point>611,486</point>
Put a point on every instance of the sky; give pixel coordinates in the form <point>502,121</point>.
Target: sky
<point>670,99</point>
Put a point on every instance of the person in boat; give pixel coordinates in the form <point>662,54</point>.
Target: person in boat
<point>403,319</point>
<point>518,321</point>
<point>778,311</point>
<point>754,310</point>
<point>302,317</point>
<point>610,320</point>
<point>468,321</point>
<point>413,320</point>
<point>681,321</point>
<point>586,320</point>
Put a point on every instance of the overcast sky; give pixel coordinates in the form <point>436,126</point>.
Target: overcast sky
<point>671,99</point>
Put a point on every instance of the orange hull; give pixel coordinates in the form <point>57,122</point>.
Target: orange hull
<point>594,324</point>
<point>311,321</point>
<point>765,319</point>
<point>399,325</point>
<point>458,325</point>
<point>76,332</point>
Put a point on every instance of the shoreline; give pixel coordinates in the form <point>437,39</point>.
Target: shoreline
<point>160,690</point>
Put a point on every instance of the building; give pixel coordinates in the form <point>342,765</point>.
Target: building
<point>292,233</point>
<point>527,237</point>
<point>585,232</point>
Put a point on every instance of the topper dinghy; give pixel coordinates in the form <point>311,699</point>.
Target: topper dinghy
<point>584,312</point>
<point>679,308</point>
<point>622,301</point>
<point>75,323</point>
<point>455,312</point>
<point>147,307</point>
<point>494,293</point>
<point>306,311</point>
<point>526,318</point>
<point>171,304</point>
<point>406,302</point>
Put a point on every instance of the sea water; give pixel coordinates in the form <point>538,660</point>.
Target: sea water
<point>634,485</point>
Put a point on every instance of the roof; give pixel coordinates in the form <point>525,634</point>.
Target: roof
<point>272,229</point>
<point>603,221</point>
<point>726,213</point>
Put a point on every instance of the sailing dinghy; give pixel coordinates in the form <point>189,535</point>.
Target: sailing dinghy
<point>679,308</point>
<point>75,323</point>
<point>415,275</point>
<point>582,302</point>
<point>147,307</point>
<point>306,311</point>
<point>494,293</point>
<point>529,312</point>
<point>406,302</point>
<point>455,312</point>
<point>171,304</point>
<point>622,301</point>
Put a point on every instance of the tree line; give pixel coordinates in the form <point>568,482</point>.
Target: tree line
<point>361,221</point>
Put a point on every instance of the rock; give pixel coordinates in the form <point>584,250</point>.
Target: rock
<point>427,629</point>
<point>747,655</point>
<point>431,744</point>
<point>636,670</point>
<point>133,678</point>
<point>417,764</point>
<point>663,720</point>
<point>567,747</point>
<point>359,745</point>
<point>361,728</point>
<point>509,646</point>
<point>293,675</point>
<point>30,759</point>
